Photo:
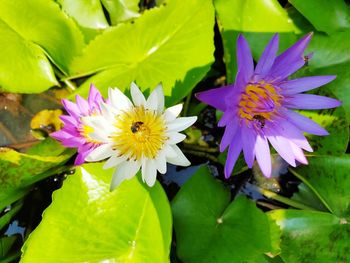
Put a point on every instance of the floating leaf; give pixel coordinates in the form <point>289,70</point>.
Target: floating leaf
<point>210,228</point>
<point>177,51</point>
<point>130,224</point>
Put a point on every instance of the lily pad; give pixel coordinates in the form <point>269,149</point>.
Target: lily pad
<point>134,222</point>
<point>209,228</point>
<point>186,31</point>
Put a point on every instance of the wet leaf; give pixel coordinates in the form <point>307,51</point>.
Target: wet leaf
<point>134,222</point>
<point>206,223</point>
<point>186,31</point>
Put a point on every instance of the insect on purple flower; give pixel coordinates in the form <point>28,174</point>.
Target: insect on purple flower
<point>258,107</point>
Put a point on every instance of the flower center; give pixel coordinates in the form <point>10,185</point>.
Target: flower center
<point>259,103</point>
<point>84,131</point>
<point>140,133</point>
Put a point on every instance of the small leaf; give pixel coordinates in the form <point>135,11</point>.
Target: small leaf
<point>130,224</point>
<point>210,228</point>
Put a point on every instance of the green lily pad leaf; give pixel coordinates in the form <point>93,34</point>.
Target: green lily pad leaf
<point>88,14</point>
<point>311,236</point>
<point>328,177</point>
<point>130,224</point>
<point>18,169</point>
<point>260,18</point>
<point>324,16</point>
<point>121,10</point>
<point>186,31</point>
<point>20,57</point>
<point>43,23</point>
<point>331,57</point>
<point>335,122</point>
<point>207,224</point>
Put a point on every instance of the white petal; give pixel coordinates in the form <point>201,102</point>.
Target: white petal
<point>136,95</point>
<point>149,171</point>
<point>126,170</point>
<point>175,137</point>
<point>152,101</point>
<point>118,99</point>
<point>114,161</point>
<point>102,152</point>
<point>171,113</point>
<point>161,162</point>
<point>108,112</point>
<point>169,151</point>
<point>180,159</point>
<point>181,123</point>
<point>298,153</point>
<point>160,95</point>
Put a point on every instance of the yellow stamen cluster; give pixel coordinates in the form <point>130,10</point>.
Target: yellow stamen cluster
<point>259,102</point>
<point>84,131</point>
<point>140,133</point>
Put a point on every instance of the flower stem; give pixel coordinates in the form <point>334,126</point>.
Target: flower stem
<point>284,200</point>
<point>187,103</point>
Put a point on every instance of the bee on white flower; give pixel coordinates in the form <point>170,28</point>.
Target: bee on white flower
<point>138,134</point>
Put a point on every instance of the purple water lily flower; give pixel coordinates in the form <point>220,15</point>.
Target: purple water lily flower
<point>74,133</point>
<point>258,107</point>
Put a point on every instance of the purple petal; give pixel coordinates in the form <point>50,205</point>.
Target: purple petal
<point>267,58</point>
<point>290,132</point>
<point>69,120</point>
<point>82,104</point>
<point>305,124</point>
<point>230,131</point>
<point>232,155</point>
<point>95,97</point>
<point>215,97</point>
<point>310,102</point>
<point>292,54</point>
<point>244,58</point>
<point>71,108</point>
<point>227,117</point>
<point>295,86</point>
<point>298,153</point>
<point>263,157</point>
<point>286,70</point>
<point>248,139</point>
<point>283,148</point>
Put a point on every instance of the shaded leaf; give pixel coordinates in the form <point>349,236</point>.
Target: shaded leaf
<point>134,222</point>
<point>207,224</point>
<point>5,219</point>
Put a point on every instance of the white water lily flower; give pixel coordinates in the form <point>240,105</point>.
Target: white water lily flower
<point>138,134</point>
